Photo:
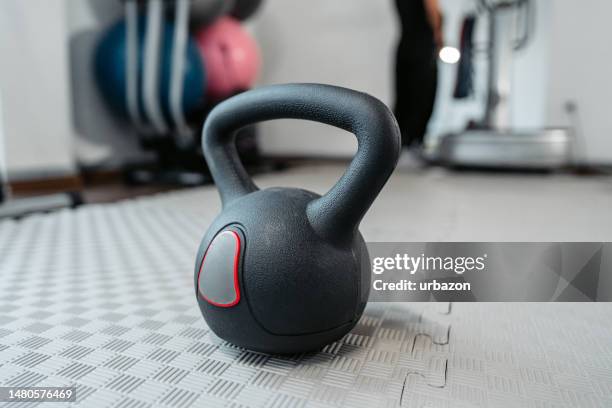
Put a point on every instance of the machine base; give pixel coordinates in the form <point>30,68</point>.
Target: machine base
<point>544,149</point>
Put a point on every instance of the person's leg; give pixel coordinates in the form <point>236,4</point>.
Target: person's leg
<point>426,95</point>
<point>416,79</point>
<point>404,94</point>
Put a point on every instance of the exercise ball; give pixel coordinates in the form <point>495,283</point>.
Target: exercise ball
<point>244,9</point>
<point>231,57</point>
<point>110,69</point>
<point>205,12</point>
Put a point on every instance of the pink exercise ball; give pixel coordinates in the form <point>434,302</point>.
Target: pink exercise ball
<point>231,57</point>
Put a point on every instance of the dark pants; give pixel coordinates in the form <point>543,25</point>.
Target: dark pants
<point>416,80</point>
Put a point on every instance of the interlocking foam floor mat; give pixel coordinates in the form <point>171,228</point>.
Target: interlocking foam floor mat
<point>102,298</point>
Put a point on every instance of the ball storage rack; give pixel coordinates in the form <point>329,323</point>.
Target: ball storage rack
<point>175,142</point>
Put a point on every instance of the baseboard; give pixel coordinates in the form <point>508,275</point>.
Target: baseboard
<point>46,185</point>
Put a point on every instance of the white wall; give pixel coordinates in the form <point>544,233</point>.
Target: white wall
<point>580,70</point>
<point>34,78</point>
<point>53,114</point>
<point>531,79</point>
<point>2,148</point>
<point>342,42</point>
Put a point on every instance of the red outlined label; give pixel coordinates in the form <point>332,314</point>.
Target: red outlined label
<point>236,265</point>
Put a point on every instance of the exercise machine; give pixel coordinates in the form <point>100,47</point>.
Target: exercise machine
<point>492,142</point>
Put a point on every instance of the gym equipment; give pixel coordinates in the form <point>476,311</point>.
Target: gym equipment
<point>284,270</point>
<point>492,143</point>
<point>464,86</point>
<point>243,9</point>
<point>231,57</point>
<point>159,79</point>
<point>111,60</point>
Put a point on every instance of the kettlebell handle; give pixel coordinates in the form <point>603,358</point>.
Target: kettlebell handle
<point>337,214</point>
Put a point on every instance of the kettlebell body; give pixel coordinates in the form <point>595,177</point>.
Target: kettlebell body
<point>284,270</point>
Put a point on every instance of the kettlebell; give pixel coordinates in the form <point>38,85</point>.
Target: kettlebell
<point>284,270</point>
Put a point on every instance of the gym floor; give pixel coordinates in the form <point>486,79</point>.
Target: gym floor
<point>438,205</point>
<point>107,305</point>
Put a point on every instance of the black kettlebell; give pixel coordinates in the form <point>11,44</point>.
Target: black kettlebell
<point>284,270</point>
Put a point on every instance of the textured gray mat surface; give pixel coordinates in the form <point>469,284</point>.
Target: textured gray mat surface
<point>102,298</point>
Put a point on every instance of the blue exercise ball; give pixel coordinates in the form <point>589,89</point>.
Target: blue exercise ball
<point>110,66</point>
